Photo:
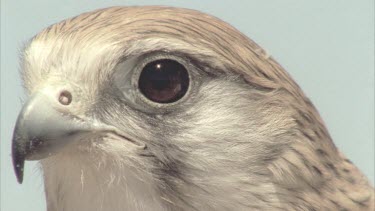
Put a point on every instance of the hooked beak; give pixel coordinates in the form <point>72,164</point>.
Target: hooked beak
<point>41,130</point>
<point>45,126</point>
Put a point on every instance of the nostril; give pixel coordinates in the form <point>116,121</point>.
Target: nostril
<point>65,97</point>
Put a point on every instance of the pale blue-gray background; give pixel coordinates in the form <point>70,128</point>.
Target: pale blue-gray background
<point>326,45</point>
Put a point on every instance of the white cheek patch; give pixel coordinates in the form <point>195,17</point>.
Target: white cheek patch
<point>226,137</point>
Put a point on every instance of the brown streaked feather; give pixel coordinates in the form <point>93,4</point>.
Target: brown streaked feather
<point>311,174</point>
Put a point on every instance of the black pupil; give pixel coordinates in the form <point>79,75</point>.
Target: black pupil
<point>164,81</point>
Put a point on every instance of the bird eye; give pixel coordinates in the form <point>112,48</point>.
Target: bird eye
<point>164,81</point>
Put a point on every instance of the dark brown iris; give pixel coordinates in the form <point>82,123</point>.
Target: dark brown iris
<point>164,81</point>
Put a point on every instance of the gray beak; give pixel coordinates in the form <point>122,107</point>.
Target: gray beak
<point>42,129</point>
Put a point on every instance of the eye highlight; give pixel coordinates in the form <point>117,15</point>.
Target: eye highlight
<point>164,81</point>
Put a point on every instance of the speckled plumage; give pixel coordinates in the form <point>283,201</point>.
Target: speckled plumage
<point>248,139</point>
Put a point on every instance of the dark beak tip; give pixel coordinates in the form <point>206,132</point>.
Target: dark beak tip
<point>18,170</point>
<point>18,164</point>
<point>19,175</point>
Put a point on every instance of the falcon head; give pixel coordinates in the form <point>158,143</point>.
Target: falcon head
<point>158,108</point>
